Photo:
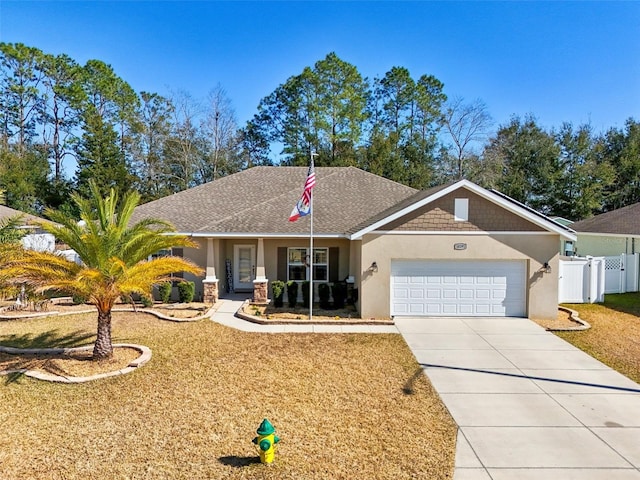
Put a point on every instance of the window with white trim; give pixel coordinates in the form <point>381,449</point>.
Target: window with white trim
<point>298,264</point>
<point>461,209</point>
<point>160,254</point>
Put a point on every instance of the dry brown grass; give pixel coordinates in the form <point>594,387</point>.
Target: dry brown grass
<point>345,406</point>
<point>177,310</point>
<point>561,321</point>
<point>301,315</point>
<point>614,336</point>
<point>182,310</point>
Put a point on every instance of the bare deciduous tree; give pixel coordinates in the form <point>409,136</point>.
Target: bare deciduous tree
<point>464,124</point>
<point>219,128</point>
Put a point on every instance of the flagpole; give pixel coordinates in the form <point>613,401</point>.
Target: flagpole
<point>311,154</point>
<point>311,259</point>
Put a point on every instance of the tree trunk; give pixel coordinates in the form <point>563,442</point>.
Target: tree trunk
<point>103,348</point>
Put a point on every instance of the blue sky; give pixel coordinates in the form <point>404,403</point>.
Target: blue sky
<point>560,61</point>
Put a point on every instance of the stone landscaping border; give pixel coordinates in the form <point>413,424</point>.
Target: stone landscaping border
<point>574,317</point>
<point>145,356</point>
<point>292,321</point>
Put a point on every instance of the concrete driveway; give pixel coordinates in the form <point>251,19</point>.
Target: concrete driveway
<point>528,404</point>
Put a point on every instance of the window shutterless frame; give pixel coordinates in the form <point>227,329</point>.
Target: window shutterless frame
<point>298,264</point>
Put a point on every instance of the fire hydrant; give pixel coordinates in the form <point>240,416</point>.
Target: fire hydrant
<point>266,441</point>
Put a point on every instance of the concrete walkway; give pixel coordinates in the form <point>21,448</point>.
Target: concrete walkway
<point>529,405</point>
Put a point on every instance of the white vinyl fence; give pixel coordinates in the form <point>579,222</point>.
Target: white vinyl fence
<point>621,273</point>
<point>581,280</point>
<point>587,279</point>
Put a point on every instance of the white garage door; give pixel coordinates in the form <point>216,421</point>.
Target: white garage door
<point>458,288</point>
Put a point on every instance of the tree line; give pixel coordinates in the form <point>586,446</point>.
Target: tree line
<point>399,126</point>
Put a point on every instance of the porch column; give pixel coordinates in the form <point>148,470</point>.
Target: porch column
<point>260,290</point>
<point>210,283</point>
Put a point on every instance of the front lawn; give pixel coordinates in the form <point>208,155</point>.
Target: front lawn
<point>614,336</point>
<point>344,406</point>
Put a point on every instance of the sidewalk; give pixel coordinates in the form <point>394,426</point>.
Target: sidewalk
<point>529,405</point>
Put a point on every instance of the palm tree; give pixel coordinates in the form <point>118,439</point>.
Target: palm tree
<point>10,232</point>
<point>114,254</point>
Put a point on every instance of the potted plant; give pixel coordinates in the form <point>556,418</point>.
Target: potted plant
<point>186,290</point>
<point>324,293</point>
<point>164,291</point>
<point>277,287</point>
<point>305,293</point>
<point>339,292</point>
<point>292,293</point>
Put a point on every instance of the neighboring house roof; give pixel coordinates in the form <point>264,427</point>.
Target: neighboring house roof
<point>623,221</point>
<point>424,197</point>
<point>259,201</point>
<point>27,219</point>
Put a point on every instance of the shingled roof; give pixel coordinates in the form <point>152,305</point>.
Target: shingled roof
<point>623,221</point>
<point>27,219</point>
<point>260,199</point>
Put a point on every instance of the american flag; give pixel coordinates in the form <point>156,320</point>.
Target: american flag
<point>303,207</point>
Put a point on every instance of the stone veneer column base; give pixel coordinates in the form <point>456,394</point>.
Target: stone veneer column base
<point>210,294</point>
<point>260,291</point>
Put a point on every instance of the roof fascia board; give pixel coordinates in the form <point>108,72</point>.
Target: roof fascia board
<point>618,235</point>
<point>492,197</point>
<point>255,235</point>
<point>457,232</point>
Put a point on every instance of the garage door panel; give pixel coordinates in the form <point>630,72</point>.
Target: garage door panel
<point>449,309</point>
<point>416,308</point>
<point>459,288</point>
<point>465,309</point>
<point>400,293</point>
<point>467,294</point>
<point>498,294</point>
<point>416,294</point>
<point>483,309</point>
<point>483,293</point>
<point>400,308</point>
<point>433,309</point>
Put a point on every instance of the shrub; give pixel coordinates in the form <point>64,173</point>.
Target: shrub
<point>324,293</point>
<point>277,287</point>
<point>292,293</point>
<point>164,290</point>
<point>78,300</point>
<point>339,292</point>
<point>186,291</point>
<point>146,301</point>
<point>305,294</point>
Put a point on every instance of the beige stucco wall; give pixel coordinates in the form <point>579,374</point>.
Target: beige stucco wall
<point>225,250</point>
<point>536,249</point>
<point>199,257</point>
<point>600,246</point>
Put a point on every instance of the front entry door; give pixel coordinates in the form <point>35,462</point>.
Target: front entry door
<point>245,267</point>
